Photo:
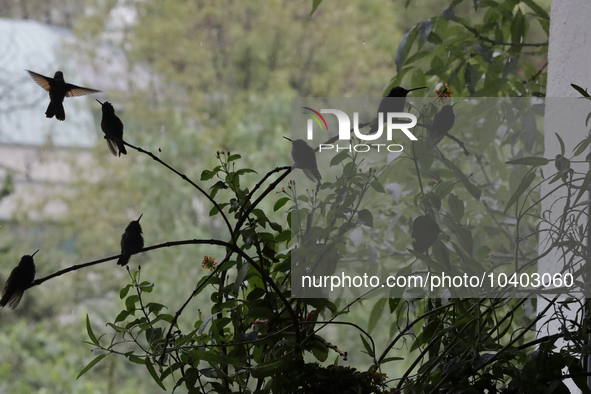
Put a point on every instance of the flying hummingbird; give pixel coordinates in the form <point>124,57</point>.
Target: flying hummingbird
<point>131,241</point>
<point>113,129</point>
<point>305,158</point>
<point>21,277</point>
<point>443,121</point>
<point>393,102</point>
<point>58,89</point>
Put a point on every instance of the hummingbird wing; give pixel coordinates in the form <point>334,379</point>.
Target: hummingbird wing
<point>312,175</point>
<point>112,146</point>
<point>75,91</point>
<point>11,294</point>
<point>41,80</point>
<point>15,299</point>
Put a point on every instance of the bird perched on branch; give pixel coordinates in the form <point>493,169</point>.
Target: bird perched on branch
<point>443,121</point>
<point>113,128</point>
<point>393,102</point>
<point>131,241</point>
<point>58,89</point>
<point>305,158</point>
<point>20,279</point>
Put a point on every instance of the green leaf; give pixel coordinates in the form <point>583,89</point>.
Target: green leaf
<point>518,26</point>
<point>243,171</point>
<point>207,175</point>
<point>530,161</point>
<point>472,189</point>
<point>315,4</point>
<point>272,367</point>
<point>471,77</point>
<point>584,186</point>
<point>404,47</point>
<point>562,148</point>
<point>366,217</point>
<point>582,146</point>
<point>537,9</point>
<point>320,351</point>
<point>281,202</point>
<point>130,302</point>
<point>234,157</point>
<point>121,316</point>
<point>152,371</point>
<point>525,182</point>
<point>91,333</point>
<point>123,292</point>
<point>580,90</point>
<point>91,364</point>
<point>366,345</point>
<point>376,314</point>
<point>136,360</point>
<point>456,206</point>
<point>424,29</point>
<point>339,157</point>
<point>377,186</point>
<point>424,232</point>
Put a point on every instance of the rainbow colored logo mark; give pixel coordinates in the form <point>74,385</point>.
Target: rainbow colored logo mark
<point>315,115</point>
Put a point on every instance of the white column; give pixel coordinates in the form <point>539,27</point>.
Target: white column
<point>569,59</point>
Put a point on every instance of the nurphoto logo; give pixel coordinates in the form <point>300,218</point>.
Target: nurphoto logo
<point>392,123</point>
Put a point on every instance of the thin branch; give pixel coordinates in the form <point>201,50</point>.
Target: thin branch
<point>185,178</point>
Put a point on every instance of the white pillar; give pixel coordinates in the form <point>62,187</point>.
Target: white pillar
<point>569,62</point>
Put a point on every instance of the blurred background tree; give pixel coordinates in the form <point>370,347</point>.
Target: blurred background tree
<point>220,76</point>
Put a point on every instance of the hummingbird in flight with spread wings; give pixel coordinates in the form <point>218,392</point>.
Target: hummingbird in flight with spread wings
<point>58,90</point>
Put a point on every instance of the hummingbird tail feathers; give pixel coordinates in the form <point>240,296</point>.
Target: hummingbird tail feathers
<point>57,110</point>
<point>122,149</point>
<point>313,175</point>
<point>123,260</point>
<point>12,301</point>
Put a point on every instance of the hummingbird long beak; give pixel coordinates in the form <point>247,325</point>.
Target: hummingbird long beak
<point>287,139</point>
<point>424,87</point>
<point>99,102</point>
<point>454,105</point>
<point>35,253</point>
<point>138,219</point>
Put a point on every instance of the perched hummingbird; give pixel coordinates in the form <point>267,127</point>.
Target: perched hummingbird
<point>21,277</point>
<point>58,89</point>
<point>131,241</point>
<point>305,158</point>
<point>113,129</point>
<point>443,121</point>
<point>393,102</point>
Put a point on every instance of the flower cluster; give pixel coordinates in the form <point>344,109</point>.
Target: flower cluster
<point>444,93</point>
<point>209,263</point>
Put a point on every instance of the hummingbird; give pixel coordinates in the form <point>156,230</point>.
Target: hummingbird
<point>113,129</point>
<point>20,279</point>
<point>443,121</point>
<point>305,158</point>
<point>393,102</point>
<point>58,89</point>
<point>131,241</point>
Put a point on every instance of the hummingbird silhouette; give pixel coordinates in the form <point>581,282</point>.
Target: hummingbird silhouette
<point>443,121</point>
<point>58,89</point>
<point>113,129</point>
<point>21,277</point>
<point>131,241</point>
<point>305,158</point>
<point>393,102</point>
